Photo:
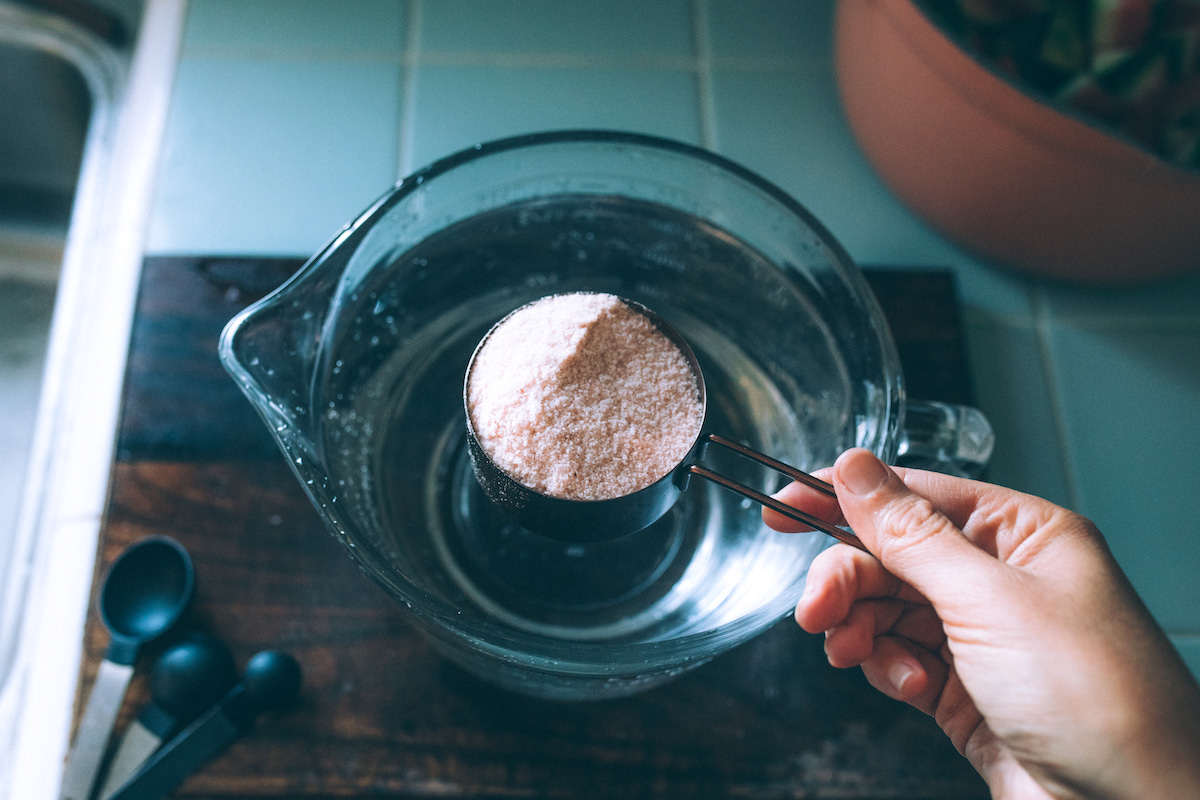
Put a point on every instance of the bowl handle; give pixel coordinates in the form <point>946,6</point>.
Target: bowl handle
<point>944,437</point>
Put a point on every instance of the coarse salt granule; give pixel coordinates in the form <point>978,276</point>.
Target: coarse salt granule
<point>580,396</point>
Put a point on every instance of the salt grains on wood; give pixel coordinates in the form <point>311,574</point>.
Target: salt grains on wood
<point>580,396</point>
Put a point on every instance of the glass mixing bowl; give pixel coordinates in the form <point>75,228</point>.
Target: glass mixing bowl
<point>357,363</point>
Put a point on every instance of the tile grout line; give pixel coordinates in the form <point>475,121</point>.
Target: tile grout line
<point>1041,328</point>
<point>706,103</point>
<point>547,60</point>
<point>408,81</point>
<point>560,60</point>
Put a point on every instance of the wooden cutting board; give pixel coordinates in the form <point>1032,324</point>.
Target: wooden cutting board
<point>380,712</point>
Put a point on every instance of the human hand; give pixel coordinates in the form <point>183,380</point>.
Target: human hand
<point>1006,618</point>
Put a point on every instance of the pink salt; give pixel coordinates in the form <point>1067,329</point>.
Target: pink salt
<point>581,396</point>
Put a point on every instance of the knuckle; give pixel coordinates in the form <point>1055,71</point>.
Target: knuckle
<point>911,520</point>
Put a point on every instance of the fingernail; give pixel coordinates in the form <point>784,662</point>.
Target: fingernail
<point>898,675</point>
<point>862,473</point>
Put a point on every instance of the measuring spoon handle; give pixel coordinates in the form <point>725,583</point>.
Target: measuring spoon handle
<point>193,747</point>
<point>272,681</point>
<point>95,728</point>
<point>137,745</point>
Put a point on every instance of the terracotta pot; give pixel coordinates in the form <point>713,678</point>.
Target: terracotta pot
<point>1010,177</point>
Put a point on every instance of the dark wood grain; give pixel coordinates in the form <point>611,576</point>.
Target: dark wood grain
<point>381,713</point>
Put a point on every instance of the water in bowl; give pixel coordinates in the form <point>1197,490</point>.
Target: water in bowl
<point>392,420</point>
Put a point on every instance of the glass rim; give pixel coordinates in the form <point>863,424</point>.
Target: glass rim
<point>583,658</point>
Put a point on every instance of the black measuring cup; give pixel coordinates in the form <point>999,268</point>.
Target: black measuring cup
<point>585,521</point>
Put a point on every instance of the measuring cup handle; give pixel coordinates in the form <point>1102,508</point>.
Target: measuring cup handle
<point>843,535</point>
<point>944,437</point>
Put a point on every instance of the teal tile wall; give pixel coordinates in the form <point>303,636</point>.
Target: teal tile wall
<point>272,155</point>
<point>462,104</point>
<point>293,27</point>
<point>625,28</point>
<point>283,124</point>
<point>290,116</point>
<point>1130,404</point>
<point>770,30</point>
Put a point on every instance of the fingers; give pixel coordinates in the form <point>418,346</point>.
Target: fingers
<point>908,672</point>
<point>805,498</point>
<point>906,532</point>
<point>840,577</point>
<point>926,681</point>
<point>853,641</point>
<point>995,519</point>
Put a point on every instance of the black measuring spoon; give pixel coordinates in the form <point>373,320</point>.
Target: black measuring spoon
<point>271,681</point>
<point>145,593</point>
<point>186,678</point>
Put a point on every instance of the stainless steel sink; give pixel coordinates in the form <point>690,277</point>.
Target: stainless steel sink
<point>45,109</point>
<point>46,106</point>
<point>79,134</point>
<point>43,128</point>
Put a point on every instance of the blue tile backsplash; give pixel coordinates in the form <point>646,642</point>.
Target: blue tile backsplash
<point>461,104</point>
<point>656,31</point>
<point>298,28</point>
<point>268,156</point>
<point>291,116</point>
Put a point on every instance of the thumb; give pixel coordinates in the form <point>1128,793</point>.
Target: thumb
<point>910,537</point>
